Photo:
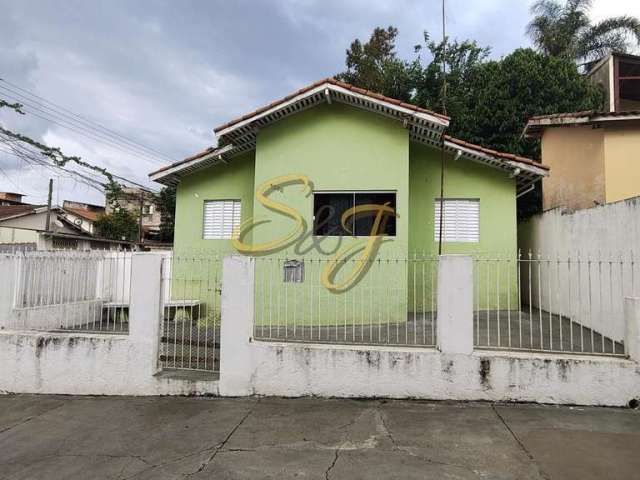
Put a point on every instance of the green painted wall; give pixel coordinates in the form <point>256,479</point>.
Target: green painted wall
<point>498,222</point>
<point>339,148</point>
<point>197,263</point>
<point>224,182</point>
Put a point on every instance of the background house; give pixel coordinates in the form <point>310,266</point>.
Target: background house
<point>595,157</point>
<point>141,203</point>
<point>24,227</point>
<point>10,198</point>
<point>619,75</point>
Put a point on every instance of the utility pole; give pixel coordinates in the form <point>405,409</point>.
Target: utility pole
<point>140,217</point>
<point>48,222</point>
<point>444,110</point>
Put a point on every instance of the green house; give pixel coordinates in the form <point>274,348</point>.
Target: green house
<point>355,148</point>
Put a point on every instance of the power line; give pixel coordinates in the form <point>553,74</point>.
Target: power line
<point>33,157</point>
<point>56,120</point>
<point>61,110</point>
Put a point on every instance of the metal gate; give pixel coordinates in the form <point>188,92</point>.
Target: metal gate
<point>190,313</point>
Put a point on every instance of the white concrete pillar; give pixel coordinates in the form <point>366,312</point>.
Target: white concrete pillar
<point>144,306</point>
<point>236,362</point>
<point>632,321</point>
<point>455,304</point>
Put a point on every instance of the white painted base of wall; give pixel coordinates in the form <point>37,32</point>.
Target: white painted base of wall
<point>294,370</point>
<point>81,364</point>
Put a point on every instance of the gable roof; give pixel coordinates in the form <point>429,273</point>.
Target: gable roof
<point>537,124</point>
<point>239,135</point>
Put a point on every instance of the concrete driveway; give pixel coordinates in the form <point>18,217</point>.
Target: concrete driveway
<point>55,437</point>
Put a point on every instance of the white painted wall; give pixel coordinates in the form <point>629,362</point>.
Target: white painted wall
<point>609,237</point>
<point>71,363</point>
<point>250,367</point>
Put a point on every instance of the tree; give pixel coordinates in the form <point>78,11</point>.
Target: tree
<point>503,94</point>
<point>375,66</point>
<point>566,30</point>
<point>461,59</point>
<point>489,102</point>
<point>166,201</point>
<point>118,225</point>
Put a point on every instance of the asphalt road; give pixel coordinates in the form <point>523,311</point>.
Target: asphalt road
<point>59,437</point>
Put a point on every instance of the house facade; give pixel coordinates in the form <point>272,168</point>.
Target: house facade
<point>353,148</point>
<point>595,157</point>
<point>25,227</point>
<point>619,76</point>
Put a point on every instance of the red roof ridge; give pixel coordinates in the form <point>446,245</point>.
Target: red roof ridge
<point>338,83</point>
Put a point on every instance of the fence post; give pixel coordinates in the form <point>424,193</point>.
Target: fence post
<point>144,305</point>
<point>237,306</point>
<point>455,304</point>
<point>632,321</point>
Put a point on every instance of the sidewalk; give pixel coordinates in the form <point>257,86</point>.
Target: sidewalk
<point>54,437</point>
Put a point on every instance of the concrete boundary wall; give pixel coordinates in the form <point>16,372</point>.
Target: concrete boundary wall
<point>94,364</point>
<point>75,363</point>
<point>452,372</point>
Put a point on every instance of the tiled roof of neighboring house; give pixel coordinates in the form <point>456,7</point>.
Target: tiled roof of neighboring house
<point>83,213</point>
<point>536,124</point>
<point>9,211</point>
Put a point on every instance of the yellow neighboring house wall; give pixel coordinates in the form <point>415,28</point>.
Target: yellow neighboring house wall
<point>622,161</point>
<point>591,165</point>
<point>576,158</point>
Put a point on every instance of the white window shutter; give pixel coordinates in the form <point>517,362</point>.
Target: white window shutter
<point>461,222</point>
<point>221,217</point>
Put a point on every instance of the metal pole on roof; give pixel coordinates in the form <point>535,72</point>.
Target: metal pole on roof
<point>444,110</point>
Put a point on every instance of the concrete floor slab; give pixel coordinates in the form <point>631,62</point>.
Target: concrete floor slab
<point>55,437</point>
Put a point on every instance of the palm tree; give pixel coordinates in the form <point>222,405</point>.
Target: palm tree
<point>566,30</point>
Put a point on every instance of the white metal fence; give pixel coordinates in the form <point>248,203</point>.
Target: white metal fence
<point>68,290</point>
<point>190,313</point>
<point>553,303</point>
<point>393,301</point>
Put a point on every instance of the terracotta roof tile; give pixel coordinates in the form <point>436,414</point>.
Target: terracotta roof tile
<point>495,153</point>
<point>86,214</point>
<point>331,81</point>
<point>7,211</point>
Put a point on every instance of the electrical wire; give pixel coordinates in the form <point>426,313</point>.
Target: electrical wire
<point>43,115</point>
<point>81,120</point>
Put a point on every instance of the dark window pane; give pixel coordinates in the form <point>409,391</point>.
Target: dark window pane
<point>364,222</point>
<point>327,210</point>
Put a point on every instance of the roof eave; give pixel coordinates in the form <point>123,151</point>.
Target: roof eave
<point>172,174</point>
<point>331,87</point>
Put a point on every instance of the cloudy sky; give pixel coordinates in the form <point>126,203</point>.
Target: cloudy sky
<point>162,74</point>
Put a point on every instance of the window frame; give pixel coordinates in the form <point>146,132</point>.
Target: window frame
<point>436,220</point>
<point>204,217</point>
<point>353,192</point>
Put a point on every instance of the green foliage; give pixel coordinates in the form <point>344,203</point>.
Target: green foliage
<point>565,30</point>
<point>502,95</point>
<point>118,225</point>
<point>489,102</point>
<point>375,66</point>
<point>461,59</point>
<point>166,201</point>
